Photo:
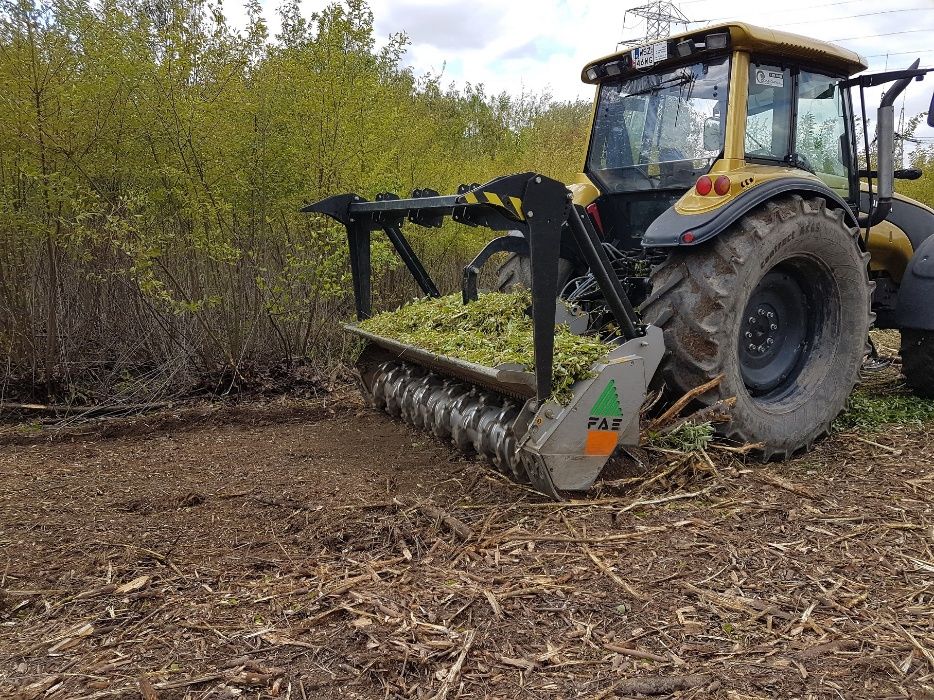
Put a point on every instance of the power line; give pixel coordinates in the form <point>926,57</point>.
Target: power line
<point>812,21</point>
<point>899,53</point>
<point>864,14</point>
<point>809,7</point>
<point>873,36</point>
<point>783,12</point>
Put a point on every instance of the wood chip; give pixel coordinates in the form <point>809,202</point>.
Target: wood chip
<point>827,648</point>
<point>136,584</point>
<point>146,691</point>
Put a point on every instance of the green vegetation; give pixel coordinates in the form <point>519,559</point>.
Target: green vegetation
<point>153,159</point>
<point>687,437</point>
<point>496,329</point>
<point>871,412</point>
<point>921,157</point>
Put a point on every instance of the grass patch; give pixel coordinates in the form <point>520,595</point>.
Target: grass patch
<point>872,411</point>
<point>688,437</point>
<point>494,330</point>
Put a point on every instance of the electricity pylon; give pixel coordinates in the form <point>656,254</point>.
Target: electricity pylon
<point>659,15</point>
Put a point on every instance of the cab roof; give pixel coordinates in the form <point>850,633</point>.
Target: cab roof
<point>748,37</point>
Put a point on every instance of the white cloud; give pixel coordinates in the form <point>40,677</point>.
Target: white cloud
<point>541,45</point>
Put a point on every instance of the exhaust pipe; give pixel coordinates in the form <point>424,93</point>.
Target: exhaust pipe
<point>885,157</point>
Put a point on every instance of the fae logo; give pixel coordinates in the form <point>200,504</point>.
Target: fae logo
<point>606,413</point>
<point>604,422</point>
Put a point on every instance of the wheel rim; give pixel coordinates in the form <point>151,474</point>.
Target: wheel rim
<point>779,326</point>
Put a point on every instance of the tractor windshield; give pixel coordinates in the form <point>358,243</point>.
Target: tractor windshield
<point>659,130</point>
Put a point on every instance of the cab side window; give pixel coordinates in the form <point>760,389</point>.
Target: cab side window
<point>768,112</point>
<point>820,130</point>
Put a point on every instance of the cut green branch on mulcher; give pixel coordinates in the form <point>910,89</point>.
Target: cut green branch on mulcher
<point>493,330</point>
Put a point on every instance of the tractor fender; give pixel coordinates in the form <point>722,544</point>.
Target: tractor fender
<point>914,308</point>
<point>914,218</point>
<point>668,229</point>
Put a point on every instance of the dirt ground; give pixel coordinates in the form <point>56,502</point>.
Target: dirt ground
<point>321,550</point>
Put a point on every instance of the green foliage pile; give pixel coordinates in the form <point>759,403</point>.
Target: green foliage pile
<point>494,330</point>
<point>153,159</point>
<point>687,437</point>
<point>870,412</point>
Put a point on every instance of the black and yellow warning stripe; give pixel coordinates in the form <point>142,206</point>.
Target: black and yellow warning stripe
<point>511,205</point>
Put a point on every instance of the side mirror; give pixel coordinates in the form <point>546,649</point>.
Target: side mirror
<point>931,112</point>
<point>713,136</point>
<point>908,174</point>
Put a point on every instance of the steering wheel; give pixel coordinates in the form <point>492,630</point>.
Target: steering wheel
<point>666,155</point>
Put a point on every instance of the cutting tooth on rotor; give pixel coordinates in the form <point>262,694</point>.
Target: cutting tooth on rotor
<point>476,421</point>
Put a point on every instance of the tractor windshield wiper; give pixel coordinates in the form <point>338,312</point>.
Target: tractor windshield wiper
<point>682,79</point>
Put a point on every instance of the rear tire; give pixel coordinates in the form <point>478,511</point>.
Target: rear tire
<point>918,361</point>
<point>779,304</point>
<point>516,271</point>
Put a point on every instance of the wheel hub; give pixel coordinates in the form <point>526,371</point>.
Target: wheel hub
<point>775,331</point>
<point>761,329</point>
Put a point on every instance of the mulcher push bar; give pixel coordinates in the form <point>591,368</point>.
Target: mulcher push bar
<point>531,207</point>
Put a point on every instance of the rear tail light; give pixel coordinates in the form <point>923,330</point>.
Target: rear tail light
<point>705,185</point>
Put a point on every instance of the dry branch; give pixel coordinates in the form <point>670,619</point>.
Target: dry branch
<point>458,527</point>
<point>819,650</point>
<point>146,691</point>
<point>782,483</point>
<point>607,571</point>
<point>634,653</point>
<point>450,680</point>
<point>675,409</point>
<point>653,685</point>
<point>719,412</point>
<point>668,499</point>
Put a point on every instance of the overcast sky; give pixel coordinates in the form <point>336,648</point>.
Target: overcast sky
<point>543,44</point>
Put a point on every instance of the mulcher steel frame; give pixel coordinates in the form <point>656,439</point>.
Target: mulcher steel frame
<point>532,207</point>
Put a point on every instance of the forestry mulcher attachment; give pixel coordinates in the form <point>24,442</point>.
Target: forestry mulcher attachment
<point>723,227</point>
<point>506,413</point>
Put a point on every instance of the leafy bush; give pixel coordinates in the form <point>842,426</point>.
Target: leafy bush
<point>153,159</point>
<point>687,437</point>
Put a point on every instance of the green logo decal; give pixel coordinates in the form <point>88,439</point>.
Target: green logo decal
<point>607,404</point>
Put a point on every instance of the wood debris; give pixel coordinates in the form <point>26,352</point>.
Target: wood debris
<point>394,568</point>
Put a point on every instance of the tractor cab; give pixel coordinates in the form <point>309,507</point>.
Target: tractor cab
<point>693,120</point>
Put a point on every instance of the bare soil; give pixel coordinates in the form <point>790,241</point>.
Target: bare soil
<point>319,549</point>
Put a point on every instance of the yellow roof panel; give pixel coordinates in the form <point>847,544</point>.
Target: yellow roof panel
<point>748,37</point>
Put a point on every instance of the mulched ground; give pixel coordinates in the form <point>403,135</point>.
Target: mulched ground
<point>320,550</point>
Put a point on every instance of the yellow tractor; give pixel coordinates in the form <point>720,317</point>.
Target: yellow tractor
<point>723,226</point>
